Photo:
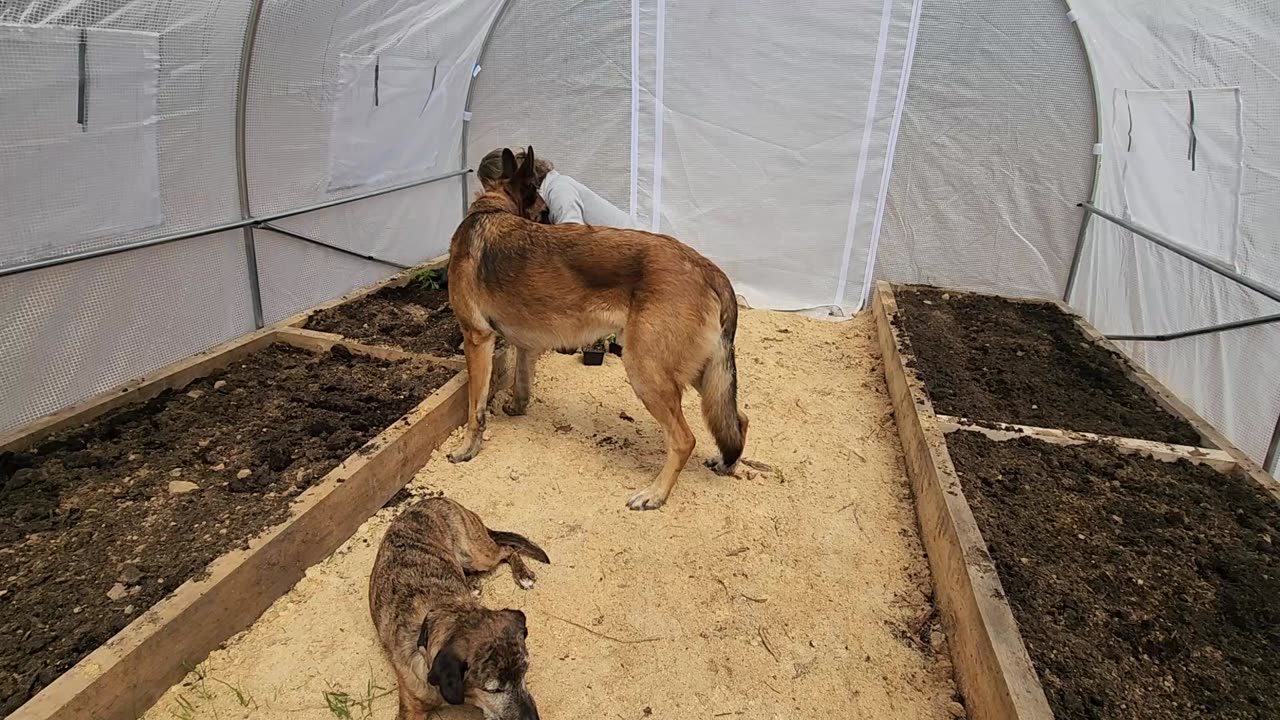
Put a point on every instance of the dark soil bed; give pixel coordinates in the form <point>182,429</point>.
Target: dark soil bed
<point>1143,589</point>
<point>988,358</point>
<point>96,525</point>
<point>414,317</point>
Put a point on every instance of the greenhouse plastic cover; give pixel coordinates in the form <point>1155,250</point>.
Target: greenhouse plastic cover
<point>761,133</point>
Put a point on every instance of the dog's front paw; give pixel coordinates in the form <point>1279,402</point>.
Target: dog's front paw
<point>718,467</point>
<point>650,498</point>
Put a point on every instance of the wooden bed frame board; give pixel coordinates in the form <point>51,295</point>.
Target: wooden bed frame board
<point>126,675</point>
<point>1165,452</point>
<point>993,669</point>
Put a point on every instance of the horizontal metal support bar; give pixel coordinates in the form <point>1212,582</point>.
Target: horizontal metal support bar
<point>1178,249</point>
<point>331,246</point>
<point>213,229</point>
<point>1220,327</point>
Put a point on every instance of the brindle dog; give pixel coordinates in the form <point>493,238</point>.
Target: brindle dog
<point>443,644</point>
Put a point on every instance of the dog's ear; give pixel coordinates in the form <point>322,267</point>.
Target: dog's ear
<point>526,167</point>
<point>508,163</point>
<point>521,621</point>
<point>447,672</point>
<point>424,634</point>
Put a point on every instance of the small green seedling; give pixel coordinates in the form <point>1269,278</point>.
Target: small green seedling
<point>430,279</point>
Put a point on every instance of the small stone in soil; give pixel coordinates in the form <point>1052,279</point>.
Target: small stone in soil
<point>179,487</point>
<point>246,472</point>
<point>117,592</point>
<point>219,467</point>
<point>129,574</point>
<point>195,394</point>
<point>219,384</point>
<point>176,472</point>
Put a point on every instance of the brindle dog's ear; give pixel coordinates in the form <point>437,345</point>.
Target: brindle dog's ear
<point>447,671</point>
<point>508,163</point>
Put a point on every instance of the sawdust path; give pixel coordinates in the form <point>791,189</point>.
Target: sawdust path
<point>798,593</point>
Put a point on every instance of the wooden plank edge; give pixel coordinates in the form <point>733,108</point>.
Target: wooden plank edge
<point>993,670</point>
<point>1171,402</point>
<point>175,376</point>
<point>400,279</point>
<point>322,341</point>
<point>1165,452</point>
<point>126,675</point>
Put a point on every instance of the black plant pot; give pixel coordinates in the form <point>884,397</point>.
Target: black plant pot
<point>593,357</point>
<point>615,349</point>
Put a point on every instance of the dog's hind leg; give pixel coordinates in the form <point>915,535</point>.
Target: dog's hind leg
<point>521,387</point>
<point>478,346</point>
<point>486,552</point>
<point>661,397</point>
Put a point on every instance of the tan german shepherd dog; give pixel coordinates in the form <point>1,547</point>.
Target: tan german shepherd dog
<point>552,286</point>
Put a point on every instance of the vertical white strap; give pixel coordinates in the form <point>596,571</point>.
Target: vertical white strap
<point>635,108</point>
<point>658,61</point>
<point>904,80</point>
<point>860,175</point>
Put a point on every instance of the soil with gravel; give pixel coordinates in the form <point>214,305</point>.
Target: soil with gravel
<point>415,317</point>
<point>99,523</point>
<point>1143,589</point>
<point>989,358</point>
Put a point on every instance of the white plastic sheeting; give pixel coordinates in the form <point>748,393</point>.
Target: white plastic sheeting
<point>158,156</point>
<point>78,156</point>
<point>1154,60</point>
<point>995,152</point>
<point>758,133</point>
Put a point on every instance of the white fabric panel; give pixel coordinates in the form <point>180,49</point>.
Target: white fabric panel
<point>995,151</point>
<point>297,96</point>
<point>66,181</point>
<point>192,120</point>
<point>761,133</point>
<point>1179,176</point>
<point>387,113</point>
<point>765,133</point>
<point>72,331</point>
<point>1126,284</point>
<point>557,75</point>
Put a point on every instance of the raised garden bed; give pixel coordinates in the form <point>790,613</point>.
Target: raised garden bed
<point>100,522</point>
<point>994,670</point>
<point>1142,588</point>
<point>991,358</point>
<point>415,316</point>
<point>112,562</point>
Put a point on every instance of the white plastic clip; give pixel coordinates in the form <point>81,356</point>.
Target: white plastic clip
<point>1097,149</point>
<point>466,116</point>
<point>1073,16</point>
<point>475,70</point>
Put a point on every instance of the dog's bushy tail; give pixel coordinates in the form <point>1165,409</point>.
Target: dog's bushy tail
<point>520,544</point>
<point>719,384</point>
